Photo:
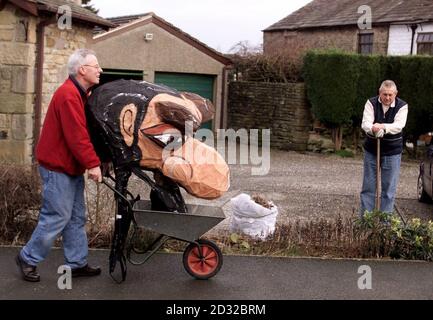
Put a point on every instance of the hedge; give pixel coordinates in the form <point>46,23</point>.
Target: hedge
<point>370,77</point>
<point>331,80</point>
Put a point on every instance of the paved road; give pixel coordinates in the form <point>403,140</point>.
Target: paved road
<point>241,278</point>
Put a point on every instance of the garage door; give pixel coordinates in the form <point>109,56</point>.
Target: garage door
<point>196,83</point>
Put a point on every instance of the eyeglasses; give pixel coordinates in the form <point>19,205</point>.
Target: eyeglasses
<point>89,65</point>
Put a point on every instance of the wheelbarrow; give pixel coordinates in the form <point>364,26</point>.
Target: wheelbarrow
<point>202,258</point>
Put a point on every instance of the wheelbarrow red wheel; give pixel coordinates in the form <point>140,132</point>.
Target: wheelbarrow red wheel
<point>207,264</point>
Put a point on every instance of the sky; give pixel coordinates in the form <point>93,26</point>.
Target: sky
<point>218,23</point>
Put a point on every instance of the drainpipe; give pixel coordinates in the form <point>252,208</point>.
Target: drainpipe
<point>413,27</point>
<point>40,48</point>
<point>223,95</point>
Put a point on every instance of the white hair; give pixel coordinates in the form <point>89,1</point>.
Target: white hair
<point>77,59</point>
<point>388,84</point>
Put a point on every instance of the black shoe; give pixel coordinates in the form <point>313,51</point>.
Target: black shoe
<point>28,272</point>
<point>86,271</point>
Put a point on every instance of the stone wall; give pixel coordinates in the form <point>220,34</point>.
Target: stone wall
<point>283,108</point>
<point>59,45</point>
<point>18,75</point>
<point>17,69</point>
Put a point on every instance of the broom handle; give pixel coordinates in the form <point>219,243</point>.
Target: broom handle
<point>378,177</point>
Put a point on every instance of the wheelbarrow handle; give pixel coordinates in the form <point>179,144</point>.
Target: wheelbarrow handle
<point>117,193</point>
<point>109,176</point>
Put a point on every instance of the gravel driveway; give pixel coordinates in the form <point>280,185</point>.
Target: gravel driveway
<point>311,186</point>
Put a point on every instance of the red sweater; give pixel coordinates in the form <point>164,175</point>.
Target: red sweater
<point>64,145</point>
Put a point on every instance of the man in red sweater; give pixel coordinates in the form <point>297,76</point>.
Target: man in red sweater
<point>64,153</point>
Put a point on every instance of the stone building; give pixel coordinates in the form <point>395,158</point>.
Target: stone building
<point>36,39</point>
<point>393,27</point>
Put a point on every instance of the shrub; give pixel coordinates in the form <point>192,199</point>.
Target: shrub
<point>279,67</point>
<point>100,207</point>
<point>344,153</point>
<point>369,80</point>
<point>377,235</point>
<point>20,192</point>
<point>416,88</point>
<point>331,81</point>
<point>19,204</point>
<point>387,235</point>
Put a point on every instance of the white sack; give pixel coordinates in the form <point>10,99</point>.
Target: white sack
<point>251,218</point>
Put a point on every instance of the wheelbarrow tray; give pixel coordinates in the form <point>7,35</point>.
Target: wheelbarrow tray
<point>188,226</point>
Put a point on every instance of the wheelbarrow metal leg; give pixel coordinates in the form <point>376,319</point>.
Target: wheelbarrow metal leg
<point>122,223</point>
<point>153,249</point>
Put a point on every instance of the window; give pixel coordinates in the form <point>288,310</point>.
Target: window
<point>365,43</point>
<point>425,43</point>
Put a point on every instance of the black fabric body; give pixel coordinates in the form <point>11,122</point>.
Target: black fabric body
<point>391,144</point>
<point>103,119</point>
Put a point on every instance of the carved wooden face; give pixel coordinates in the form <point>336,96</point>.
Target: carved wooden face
<point>197,167</point>
<point>120,113</point>
<point>163,115</point>
<point>127,121</point>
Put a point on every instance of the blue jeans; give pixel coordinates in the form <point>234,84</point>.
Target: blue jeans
<point>63,213</point>
<point>390,173</point>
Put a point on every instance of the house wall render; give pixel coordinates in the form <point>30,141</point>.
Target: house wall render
<point>400,38</point>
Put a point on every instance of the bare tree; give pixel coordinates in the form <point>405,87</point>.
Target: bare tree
<point>89,6</point>
<point>252,65</point>
<point>244,48</point>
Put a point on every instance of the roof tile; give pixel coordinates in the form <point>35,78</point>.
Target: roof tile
<point>79,12</point>
<point>327,13</point>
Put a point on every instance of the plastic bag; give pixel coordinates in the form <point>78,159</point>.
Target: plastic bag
<point>252,218</point>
